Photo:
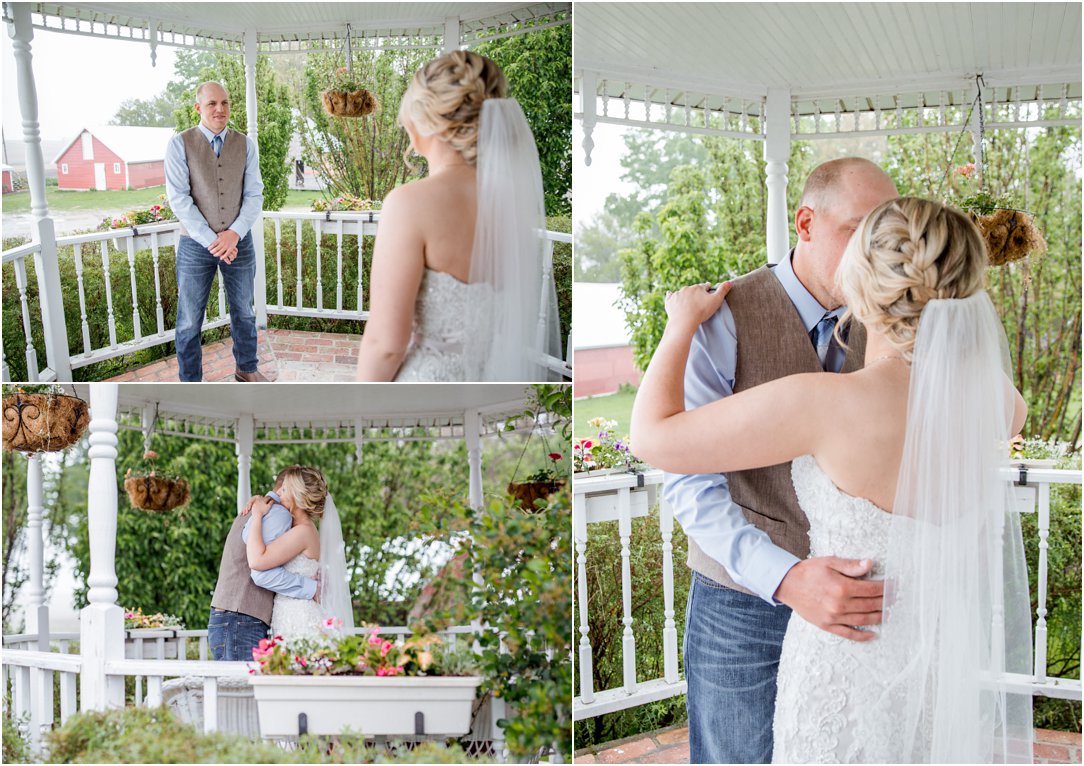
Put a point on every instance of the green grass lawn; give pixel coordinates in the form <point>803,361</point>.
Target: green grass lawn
<point>121,201</point>
<point>613,407</point>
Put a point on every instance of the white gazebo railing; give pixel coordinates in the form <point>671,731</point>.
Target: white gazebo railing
<point>624,497</point>
<point>108,654</point>
<point>335,297</point>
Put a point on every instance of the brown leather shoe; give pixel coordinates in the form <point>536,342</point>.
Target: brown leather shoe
<point>249,377</point>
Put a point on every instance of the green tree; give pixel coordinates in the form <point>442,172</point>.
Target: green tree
<point>155,112</point>
<point>538,66</point>
<point>160,111</point>
<point>274,115</point>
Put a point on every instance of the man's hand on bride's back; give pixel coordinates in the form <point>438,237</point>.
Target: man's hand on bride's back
<point>692,306</point>
<point>826,592</point>
<point>263,502</point>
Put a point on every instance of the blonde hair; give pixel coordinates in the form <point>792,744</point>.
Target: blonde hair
<point>905,253</point>
<point>306,486</point>
<point>445,99</point>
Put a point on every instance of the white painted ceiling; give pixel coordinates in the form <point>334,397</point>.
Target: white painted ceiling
<point>819,49</point>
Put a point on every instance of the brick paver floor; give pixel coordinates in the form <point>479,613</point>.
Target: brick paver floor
<point>284,355</point>
<point>672,746</point>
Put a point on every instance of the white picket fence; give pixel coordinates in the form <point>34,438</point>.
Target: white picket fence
<point>335,295</point>
<point>624,497</point>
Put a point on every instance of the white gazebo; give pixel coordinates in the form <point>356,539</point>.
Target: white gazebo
<point>249,30</point>
<point>245,416</point>
<point>781,72</point>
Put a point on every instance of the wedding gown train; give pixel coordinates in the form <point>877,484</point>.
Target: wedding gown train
<point>828,701</point>
<point>294,618</point>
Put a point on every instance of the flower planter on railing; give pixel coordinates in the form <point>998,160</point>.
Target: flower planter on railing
<point>603,494</point>
<point>368,705</point>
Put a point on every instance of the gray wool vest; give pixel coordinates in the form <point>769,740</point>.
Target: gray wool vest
<point>235,591</point>
<point>772,343</point>
<point>217,183</point>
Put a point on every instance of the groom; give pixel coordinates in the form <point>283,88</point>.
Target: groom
<point>748,542</point>
<point>214,188</point>
<point>243,600</point>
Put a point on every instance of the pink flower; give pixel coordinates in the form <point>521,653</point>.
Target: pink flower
<point>381,672</point>
<point>385,649</point>
<point>129,615</point>
<point>966,170</point>
<point>264,643</point>
<point>555,456</point>
<point>374,637</point>
<point>329,623</point>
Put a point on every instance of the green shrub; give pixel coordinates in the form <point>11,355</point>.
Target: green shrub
<point>153,735</point>
<point>16,748</point>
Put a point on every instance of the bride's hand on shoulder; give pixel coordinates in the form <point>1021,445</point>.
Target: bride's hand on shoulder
<point>691,306</point>
<point>260,504</point>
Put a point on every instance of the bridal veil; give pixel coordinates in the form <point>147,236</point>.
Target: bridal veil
<point>335,599</point>
<point>511,333</point>
<point>956,591</point>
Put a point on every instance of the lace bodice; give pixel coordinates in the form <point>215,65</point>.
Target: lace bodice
<point>297,617</point>
<point>829,687</point>
<point>440,329</point>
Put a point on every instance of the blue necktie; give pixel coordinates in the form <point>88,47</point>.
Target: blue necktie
<point>821,335</point>
<point>216,144</point>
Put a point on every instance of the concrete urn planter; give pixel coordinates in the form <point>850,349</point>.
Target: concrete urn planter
<point>367,705</point>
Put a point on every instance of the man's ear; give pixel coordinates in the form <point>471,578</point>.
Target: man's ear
<point>803,222</point>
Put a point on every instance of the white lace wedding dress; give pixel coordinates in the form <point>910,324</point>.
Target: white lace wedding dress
<point>436,351</point>
<point>297,617</point>
<point>829,688</point>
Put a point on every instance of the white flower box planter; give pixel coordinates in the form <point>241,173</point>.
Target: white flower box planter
<point>147,648</point>
<point>601,495</point>
<point>367,705</point>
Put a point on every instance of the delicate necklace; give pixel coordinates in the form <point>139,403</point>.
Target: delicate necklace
<point>884,358</point>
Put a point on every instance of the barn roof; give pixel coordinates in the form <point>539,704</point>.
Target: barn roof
<point>130,143</point>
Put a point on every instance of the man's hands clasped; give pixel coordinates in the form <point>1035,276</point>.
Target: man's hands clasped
<point>225,246</point>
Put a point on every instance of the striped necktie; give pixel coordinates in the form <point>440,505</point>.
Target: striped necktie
<point>821,335</point>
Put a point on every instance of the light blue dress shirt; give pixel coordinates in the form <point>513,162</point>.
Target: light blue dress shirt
<point>702,503</point>
<point>276,523</point>
<point>179,189</point>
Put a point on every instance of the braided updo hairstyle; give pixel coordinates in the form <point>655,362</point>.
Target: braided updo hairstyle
<point>445,99</point>
<point>307,487</point>
<point>905,253</point>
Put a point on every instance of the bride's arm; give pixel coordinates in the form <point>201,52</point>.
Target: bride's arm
<point>279,551</point>
<point>398,265</point>
<point>762,426</point>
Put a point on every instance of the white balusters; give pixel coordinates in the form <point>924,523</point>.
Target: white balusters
<point>221,295</point>
<point>319,276</point>
<point>210,704</point>
<point>108,294</point>
<point>67,694</point>
<point>297,234</point>
<point>628,640</point>
<point>84,325</point>
<point>361,267</point>
<point>339,267</point>
<point>669,632</point>
<point>1044,546</point>
<point>278,259</point>
<point>579,525</point>
<point>31,352</point>
<point>136,329</point>
<point>544,304</point>
<point>159,315</point>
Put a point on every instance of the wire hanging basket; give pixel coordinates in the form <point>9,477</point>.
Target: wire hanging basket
<point>43,422</point>
<point>346,98</point>
<point>149,490</point>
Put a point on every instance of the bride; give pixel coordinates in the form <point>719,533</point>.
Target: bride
<point>907,473</point>
<point>456,290</point>
<point>304,494</point>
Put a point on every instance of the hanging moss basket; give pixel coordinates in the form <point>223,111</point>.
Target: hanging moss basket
<point>526,492</point>
<point>1010,235</point>
<point>150,492</point>
<point>47,422</point>
<point>349,102</point>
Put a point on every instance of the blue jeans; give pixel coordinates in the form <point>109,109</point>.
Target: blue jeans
<point>196,269</point>
<point>732,645</point>
<point>233,636</point>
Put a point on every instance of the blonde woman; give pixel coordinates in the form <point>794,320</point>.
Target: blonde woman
<point>302,491</point>
<point>456,290</point>
<point>897,463</point>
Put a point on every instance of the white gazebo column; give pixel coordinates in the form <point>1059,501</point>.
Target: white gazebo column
<point>588,88</point>
<point>37,613</point>
<point>246,430</point>
<point>21,32</point>
<point>777,155</point>
<point>101,622</point>
<point>251,48</point>
<point>451,34</point>
<point>472,434</point>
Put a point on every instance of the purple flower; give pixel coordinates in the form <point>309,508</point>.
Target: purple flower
<point>603,434</point>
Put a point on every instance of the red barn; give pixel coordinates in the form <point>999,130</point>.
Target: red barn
<point>9,181</point>
<point>114,157</point>
<point>601,352</point>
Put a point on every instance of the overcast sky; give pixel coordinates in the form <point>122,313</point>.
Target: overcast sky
<point>592,184</point>
<point>81,81</point>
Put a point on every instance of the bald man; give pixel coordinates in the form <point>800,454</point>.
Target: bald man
<point>214,188</point>
<point>748,539</point>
